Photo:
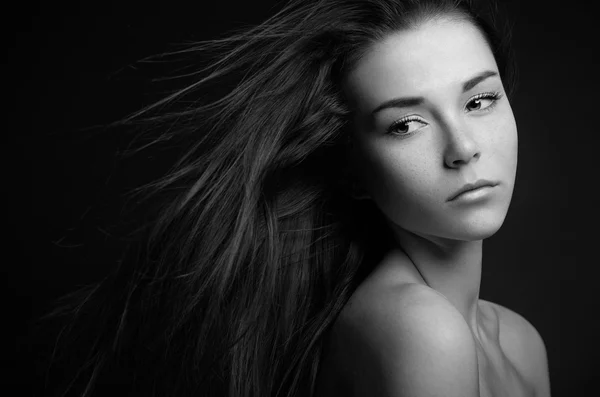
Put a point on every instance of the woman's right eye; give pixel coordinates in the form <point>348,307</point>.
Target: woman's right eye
<point>406,126</point>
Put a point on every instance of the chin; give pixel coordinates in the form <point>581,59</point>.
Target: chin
<point>468,224</point>
<point>465,229</point>
<point>476,235</point>
<point>476,229</point>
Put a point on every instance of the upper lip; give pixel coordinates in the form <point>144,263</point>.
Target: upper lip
<point>472,186</point>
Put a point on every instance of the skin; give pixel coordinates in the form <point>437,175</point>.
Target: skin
<point>416,326</point>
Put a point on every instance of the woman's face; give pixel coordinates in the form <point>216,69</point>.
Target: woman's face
<point>431,116</point>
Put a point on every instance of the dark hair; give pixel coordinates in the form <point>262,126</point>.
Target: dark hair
<point>258,246</point>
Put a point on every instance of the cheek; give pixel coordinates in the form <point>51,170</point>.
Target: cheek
<point>400,181</point>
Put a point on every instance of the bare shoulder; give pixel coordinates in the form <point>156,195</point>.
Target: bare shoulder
<point>524,346</point>
<point>405,340</point>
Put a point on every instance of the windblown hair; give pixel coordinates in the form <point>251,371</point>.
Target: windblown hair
<point>258,244</point>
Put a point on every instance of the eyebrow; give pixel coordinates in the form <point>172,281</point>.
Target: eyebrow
<point>415,101</point>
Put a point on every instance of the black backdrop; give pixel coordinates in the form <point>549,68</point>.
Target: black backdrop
<point>71,71</point>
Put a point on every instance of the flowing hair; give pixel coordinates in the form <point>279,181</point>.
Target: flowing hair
<point>257,244</point>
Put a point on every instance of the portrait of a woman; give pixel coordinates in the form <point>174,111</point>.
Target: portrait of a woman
<point>322,232</point>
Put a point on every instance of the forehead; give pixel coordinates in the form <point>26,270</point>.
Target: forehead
<point>438,54</point>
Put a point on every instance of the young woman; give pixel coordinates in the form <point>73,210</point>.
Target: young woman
<point>323,234</point>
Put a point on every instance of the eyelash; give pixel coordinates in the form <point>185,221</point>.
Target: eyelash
<point>401,121</point>
<point>494,96</point>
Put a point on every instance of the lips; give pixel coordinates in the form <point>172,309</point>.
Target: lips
<point>472,186</point>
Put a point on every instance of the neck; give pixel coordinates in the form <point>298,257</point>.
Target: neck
<point>451,267</point>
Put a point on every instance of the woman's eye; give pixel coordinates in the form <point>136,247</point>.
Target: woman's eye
<point>482,102</point>
<point>406,126</point>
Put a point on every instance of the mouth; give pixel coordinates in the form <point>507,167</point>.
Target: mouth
<point>482,183</point>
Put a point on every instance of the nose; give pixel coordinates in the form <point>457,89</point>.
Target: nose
<point>461,148</point>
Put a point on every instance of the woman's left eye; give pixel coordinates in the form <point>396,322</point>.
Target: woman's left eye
<point>483,101</point>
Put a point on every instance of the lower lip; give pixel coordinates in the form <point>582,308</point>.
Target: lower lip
<point>473,195</point>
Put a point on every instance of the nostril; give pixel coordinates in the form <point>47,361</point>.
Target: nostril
<point>459,160</point>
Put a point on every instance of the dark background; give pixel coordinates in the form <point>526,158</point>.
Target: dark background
<point>71,68</point>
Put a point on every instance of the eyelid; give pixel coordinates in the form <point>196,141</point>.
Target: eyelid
<point>405,119</point>
<point>412,117</point>
<point>495,96</point>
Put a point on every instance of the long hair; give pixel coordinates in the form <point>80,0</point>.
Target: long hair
<point>257,245</point>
